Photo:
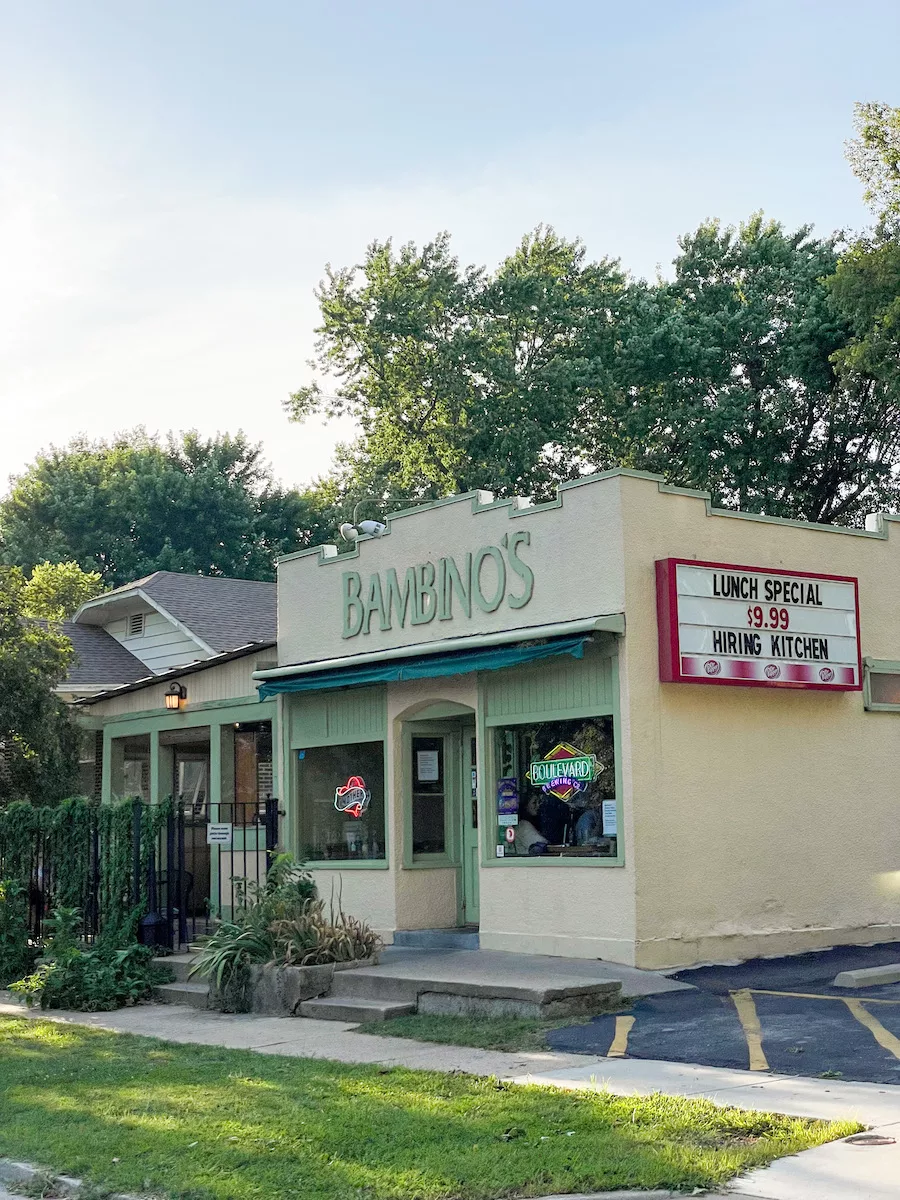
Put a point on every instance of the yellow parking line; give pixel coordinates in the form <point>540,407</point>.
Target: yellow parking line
<point>814,996</point>
<point>881,1035</point>
<point>620,1042</point>
<point>746,1011</point>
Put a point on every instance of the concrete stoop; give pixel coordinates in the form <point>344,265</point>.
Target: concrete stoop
<point>194,993</point>
<point>380,993</point>
<point>374,994</point>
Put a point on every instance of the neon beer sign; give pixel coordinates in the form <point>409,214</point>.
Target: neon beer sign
<point>564,772</point>
<point>353,798</point>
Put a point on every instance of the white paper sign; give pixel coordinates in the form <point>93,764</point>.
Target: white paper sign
<point>508,819</point>
<point>427,766</point>
<point>609,818</point>
<point>219,834</point>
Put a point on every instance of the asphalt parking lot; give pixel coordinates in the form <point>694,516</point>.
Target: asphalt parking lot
<point>780,1015</point>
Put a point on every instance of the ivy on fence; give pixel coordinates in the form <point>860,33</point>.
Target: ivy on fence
<point>81,854</point>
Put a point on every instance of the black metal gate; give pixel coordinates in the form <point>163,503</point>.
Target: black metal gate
<point>204,857</point>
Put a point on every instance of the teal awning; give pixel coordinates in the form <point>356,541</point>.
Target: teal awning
<point>426,666</point>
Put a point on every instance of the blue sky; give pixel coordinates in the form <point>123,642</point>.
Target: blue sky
<point>174,176</point>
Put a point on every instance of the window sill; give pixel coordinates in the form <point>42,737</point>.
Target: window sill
<point>348,864</point>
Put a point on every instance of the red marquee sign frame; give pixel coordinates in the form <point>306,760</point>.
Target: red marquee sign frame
<point>670,655</point>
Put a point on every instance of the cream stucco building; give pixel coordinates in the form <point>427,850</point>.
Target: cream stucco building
<point>476,724</point>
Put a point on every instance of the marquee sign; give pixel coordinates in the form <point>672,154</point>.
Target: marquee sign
<point>756,627</point>
<point>564,772</point>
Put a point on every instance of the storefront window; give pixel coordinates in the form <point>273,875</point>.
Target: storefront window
<point>556,788</point>
<point>341,791</point>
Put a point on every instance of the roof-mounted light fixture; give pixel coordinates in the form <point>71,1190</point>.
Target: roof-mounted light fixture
<point>176,696</point>
<point>352,530</point>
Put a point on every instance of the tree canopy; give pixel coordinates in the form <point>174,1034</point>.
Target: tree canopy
<point>55,591</point>
<point>765,370</point>
<point>38,742</point>
<point>134,505</point>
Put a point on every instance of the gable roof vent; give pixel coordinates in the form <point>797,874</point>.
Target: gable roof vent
<point>136,625</point>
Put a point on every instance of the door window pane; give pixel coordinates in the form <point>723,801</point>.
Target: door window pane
<point>428,796</point>
<point>342,801</point>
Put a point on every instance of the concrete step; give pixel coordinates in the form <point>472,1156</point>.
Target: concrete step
<point>179,964</point>
<point>194,994</point>
<point>364,984</point>
<point>437,939</point>
<point>332,1008</point>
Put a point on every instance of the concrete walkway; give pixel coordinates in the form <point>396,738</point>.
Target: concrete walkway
<point>838,1171</point>
<point>499,968</point>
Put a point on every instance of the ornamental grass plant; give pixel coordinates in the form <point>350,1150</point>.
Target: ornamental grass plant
<point>280,922</point>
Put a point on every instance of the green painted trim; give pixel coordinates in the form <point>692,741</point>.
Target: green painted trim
<point>484,501</point>
<point>554,714</point>
<point>878,666</point>
<point>136,723</point>
<point>336,864</point>
<point>555,864</point>
<point>252,704</point>
<point>450,859</point>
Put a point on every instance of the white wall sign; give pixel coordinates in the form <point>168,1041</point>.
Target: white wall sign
<point>219,833</point>
<point>757,627</point>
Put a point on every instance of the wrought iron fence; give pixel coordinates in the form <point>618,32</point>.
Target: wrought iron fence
<point>182,864</point>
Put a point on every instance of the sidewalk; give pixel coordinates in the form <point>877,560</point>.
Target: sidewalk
<point>838,1171</point>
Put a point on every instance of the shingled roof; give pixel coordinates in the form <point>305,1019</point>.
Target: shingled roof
<point>224,613</point>
<point>99,658</point>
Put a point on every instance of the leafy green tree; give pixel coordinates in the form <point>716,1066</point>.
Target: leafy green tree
<point>874,155</point>
<point>38,742</point>
<point>865,288</point>
<point>459,378</point>
<point>727,382</point>
<point>135,505</point>
<point>729,377</point>
<point>56,590</point>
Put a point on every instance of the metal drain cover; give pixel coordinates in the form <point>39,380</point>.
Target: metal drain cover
<point>870,1139</point>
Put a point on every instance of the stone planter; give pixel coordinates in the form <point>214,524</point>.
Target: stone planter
<point>278,991</point>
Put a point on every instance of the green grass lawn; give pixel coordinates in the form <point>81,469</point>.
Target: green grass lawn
<point>487,1033</point>
<point>198,1122</point>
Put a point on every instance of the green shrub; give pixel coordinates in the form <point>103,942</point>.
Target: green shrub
<point>280,921</point>
<point>16,955</point>
<point>94,978</point>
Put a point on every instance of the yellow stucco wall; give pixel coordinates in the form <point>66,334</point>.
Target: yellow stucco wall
<point>765,820</point>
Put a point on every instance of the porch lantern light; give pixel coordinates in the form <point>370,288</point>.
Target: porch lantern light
<point>176,696</point>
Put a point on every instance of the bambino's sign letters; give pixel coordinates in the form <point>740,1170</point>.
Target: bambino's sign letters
<point>484,580</point>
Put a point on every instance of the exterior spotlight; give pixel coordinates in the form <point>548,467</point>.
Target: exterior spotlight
<point>374,528</point>
<point>176,696</point>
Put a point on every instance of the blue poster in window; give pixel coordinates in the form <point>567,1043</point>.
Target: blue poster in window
<point>507,797</point>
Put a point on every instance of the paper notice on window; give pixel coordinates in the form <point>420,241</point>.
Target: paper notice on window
<point>427,766</point>
<point>609,818</point>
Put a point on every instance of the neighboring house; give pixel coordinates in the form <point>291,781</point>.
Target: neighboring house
<point>151,631</point>
<point>162,622</point>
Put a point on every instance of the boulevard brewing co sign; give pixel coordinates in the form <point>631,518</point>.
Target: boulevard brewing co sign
<point>746,625</point>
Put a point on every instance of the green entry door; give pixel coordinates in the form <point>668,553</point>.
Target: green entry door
<point>469,833</point>
<point>444,824</point>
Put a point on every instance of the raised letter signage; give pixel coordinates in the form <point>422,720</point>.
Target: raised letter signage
<point>757,627</point>
<point>484,579</point>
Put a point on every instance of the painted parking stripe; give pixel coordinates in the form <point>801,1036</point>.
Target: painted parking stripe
<point>817,996</point>
<point>619,1045</point>
<point>747,1014</point>
<point>882,1036</point>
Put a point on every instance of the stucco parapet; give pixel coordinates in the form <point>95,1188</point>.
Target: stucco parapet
<point>877,524</point>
